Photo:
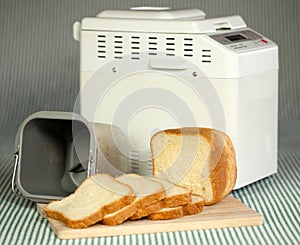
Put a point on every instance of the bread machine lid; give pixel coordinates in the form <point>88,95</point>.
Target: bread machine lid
<point>158,21</point>
<point>161,13</point>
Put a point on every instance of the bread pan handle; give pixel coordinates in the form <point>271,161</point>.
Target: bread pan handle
<point>13,181</point>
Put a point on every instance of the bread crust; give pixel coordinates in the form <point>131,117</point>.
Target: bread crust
<point>93,218</point>
<point>222,162</point>
<point>153,198</point>
<point>165,214</point>
<point>121,216</point>
<point>177,200</point>
<point>167,202</point>
<point>231,172</point>
<point>223,176</point>
<point>132,209</point>
<point>193,208</point>
<point>145,211</point>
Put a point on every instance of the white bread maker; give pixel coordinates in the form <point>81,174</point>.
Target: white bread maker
<point>149,69</point>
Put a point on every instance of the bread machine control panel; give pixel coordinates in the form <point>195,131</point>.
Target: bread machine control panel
<point>240,40</point>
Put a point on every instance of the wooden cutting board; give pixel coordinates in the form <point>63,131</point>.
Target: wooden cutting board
<point>228,213</point>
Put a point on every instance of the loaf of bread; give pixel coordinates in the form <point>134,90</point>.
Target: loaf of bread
<point>200,159</point>
<point>96,197</point>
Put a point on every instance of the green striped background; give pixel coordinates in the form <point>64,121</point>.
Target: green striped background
<point>39,70</point>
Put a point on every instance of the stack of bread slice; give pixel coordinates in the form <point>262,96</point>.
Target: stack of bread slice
<point>178,202</point>
<point>195,206</point>
<point>111,201</point>
<point>147,192</point>
<point>173,205</point>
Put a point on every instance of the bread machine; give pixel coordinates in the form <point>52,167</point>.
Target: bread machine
<point>148,69</point>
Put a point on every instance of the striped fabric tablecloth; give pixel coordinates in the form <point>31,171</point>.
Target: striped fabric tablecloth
<point>276,197</point>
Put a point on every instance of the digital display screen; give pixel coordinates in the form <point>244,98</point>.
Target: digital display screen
<point>235,37</point>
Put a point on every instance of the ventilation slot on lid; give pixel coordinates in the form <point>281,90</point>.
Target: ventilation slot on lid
<point>152,45</point>
<point>101,46</point>
<point>170,46</point>
<point>188,47</point>
<point>206,56</point>
<point>118,47</point>
<point>135,47</point>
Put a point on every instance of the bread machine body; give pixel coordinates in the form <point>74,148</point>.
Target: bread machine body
<point>137,60</point>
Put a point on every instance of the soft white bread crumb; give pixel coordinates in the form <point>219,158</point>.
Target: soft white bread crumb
<point>96,196</point>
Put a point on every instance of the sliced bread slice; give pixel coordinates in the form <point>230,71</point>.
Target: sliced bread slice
<point>167,213</point>
<point>175,196</point>
<point>97,196</point>
<point>200,159</point>
<point>147,192</point>
<point>145,211</point>
<point>195,207</point>
<point>121,215</point>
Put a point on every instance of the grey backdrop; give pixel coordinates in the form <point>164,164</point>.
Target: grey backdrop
<point>39,60</point>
